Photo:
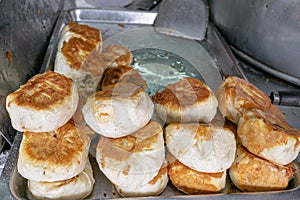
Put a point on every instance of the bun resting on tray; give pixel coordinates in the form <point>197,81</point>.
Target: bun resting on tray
<point>201,147</point>
<point>78,54</point>
<point>118,111</point>
<point>134,160</point>
<point>188,100</point>
<point>193,182</point>
<point>269,137</point>
<point>53,156</point>
<point>77,187</point>
<point>121,74</point>
<point>253,174</point>
<point>44,103</point>
<point>152,188</point>
<point>236,95</point>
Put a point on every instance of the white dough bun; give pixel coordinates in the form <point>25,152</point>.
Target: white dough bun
<point>201,147</point>
<point>44,103</point>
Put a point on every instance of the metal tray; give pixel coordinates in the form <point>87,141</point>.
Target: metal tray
<point>112,23</point>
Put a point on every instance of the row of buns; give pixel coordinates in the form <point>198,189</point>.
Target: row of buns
<point>131,149</point>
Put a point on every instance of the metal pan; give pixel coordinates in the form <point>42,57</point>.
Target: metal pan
<point>212,59</point>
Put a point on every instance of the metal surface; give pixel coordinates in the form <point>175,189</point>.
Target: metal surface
<point>269,69</point>
<point>13,186</point>
<point>183,18</point>
<point>265,30</point>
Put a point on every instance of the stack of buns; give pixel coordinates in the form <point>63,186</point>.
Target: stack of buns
<point>53,153</point>
<point>268,144</point>
<point>130,151</point>
<point>200,153</point>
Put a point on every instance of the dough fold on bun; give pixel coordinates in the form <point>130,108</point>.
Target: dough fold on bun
<point>153,188</point>
<point>201,147</point>
<point>133,160</point>
<point>77,187</point>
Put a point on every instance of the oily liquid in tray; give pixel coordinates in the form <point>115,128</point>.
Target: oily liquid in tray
<point>161,68</point>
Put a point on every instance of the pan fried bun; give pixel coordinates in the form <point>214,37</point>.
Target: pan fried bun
<point>153,188</point>
<point>236,95</point>
<point>77,187</point>
<point>53,156</point>
<point>78,56</point>
<point>46,102</point>
<point>188,100</point>
<point>253,174</point>
<point>269,137</point>
<point>192,182</point>
<point>133,160</point>
<point>118,111</point>
<point>201,147</point>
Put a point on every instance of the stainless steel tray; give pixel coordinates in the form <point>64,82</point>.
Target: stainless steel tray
<point>113,22</point>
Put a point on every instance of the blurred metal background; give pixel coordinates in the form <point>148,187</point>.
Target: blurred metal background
<point>265,33</point>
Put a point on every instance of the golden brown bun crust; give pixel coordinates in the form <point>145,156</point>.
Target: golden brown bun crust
<point>190,181</point>
<point>246,95</point>
<point>270,130</point>
<point>122,74</point>
<point>43,91</point>
<point>76,51</point>
<point>121,91</point>
<point>254,174</point>
<point>58,147</point>
<point>185,92</point>
<point>121,148</point>
<point>269,137</point>
<point>85,31</point>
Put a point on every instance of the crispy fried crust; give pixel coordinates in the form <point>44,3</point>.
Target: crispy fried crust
<point>85,31</point>
<point>236,95</point>
<point>53,156</point>
<point>139,141</point>
<point>190,181</point>
<point>46,102</point>
<point>121,74</point>
<point>43,91</point>
<point>76,51</point>
<point>184,93</point>
<point>267,136</point>
<point>253,174</point>
<point>187,101</point>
